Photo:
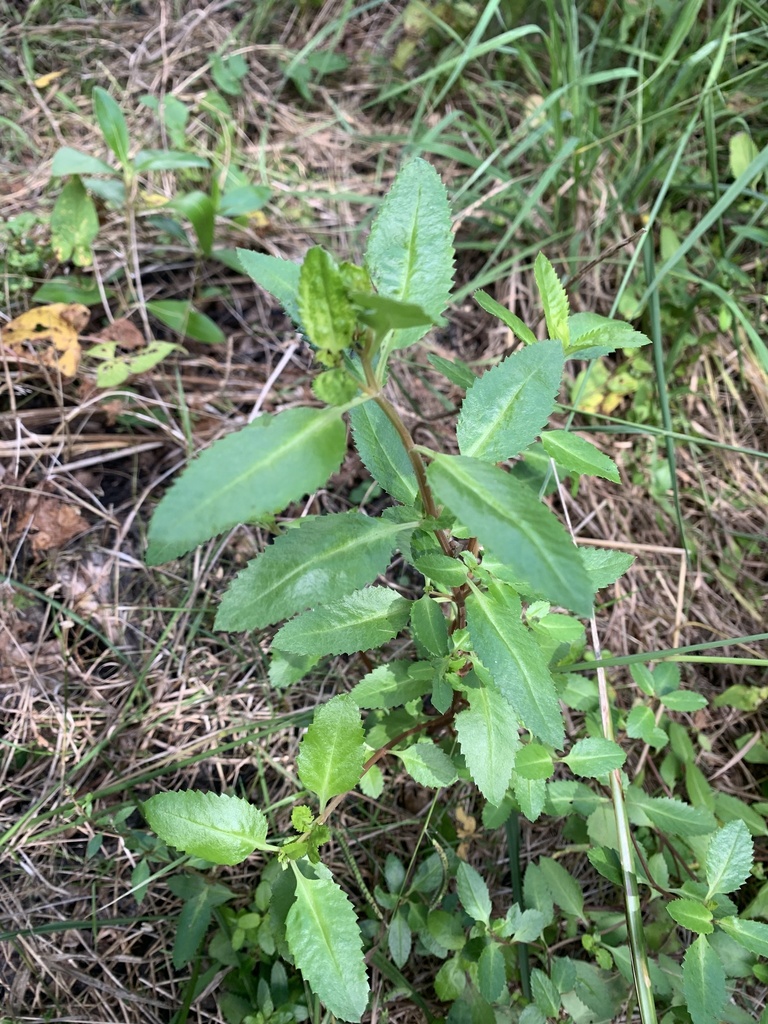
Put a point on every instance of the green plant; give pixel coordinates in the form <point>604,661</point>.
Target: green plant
<point>487,651</point>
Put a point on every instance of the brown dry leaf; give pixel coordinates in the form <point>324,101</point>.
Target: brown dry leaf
<point>466,827</point>
<point>52,522</point>
<point>52,331</point>
<point>126,334</point>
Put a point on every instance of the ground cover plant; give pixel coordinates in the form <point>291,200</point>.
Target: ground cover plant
<point>627,144</point>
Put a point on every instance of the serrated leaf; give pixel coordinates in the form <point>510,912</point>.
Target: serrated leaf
<point>74,224</point>
<point>473,893</point>
<point>752,935</point>
<point>527,925</point>
<point>531,795</point>
<point>167,160</point>
<point>112,123</point>
<point>410,248</point>
<point>71,161</point>
<point>594,756</point>
<point>594,335</point>
<point>399,940</point>
<point>704,983</point>
<point>578,455</point>
<point>516,663</point>
<point>246,476</point>
<point>315,562</point>
<point>393,684</point>
<point>222,829</point>
<point>508,406</point>
<point>326,312</point>
<point>491,973</point>
<point>324,939</point>
<point>684,700</point>
<point>385,314</point>
<point>277,276</point>
<point>456,371</point>
<point>335,387</point>
<point>182,317</point>
<point>605,567</point>
<point>200,898</point>
<point>382,452</point>
<point>332,752</point>
<point>729,858</point>
<point>359,622</point>
<point>534,762</point>
<point>562,886</point>
<point>442,569</point>
<point>513,524</point>
<point>641,723</point>
<point>286,669</point>
<point>488,736</point>
<point>668,815</point>
<point>429,626</point>
<point>450,980</point>
<point>545,993</point>
<point>514,323</point>
<point>428,765</point>
<point>553,299</point>
<point>691,914</point>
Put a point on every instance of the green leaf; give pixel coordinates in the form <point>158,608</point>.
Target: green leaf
<point>456,371</point>
<point>508,406</point>
<point>324,308</point>
<point>182,317</point>
<point>324,939</point>
<point>246,476</point>
<point>531,795</point>
<point>74,224</point>
<point>167,160</point>
<point>383,453</point>
<point>684,700</point>
<point>384,314</point>
<point>741,152</point>
<point>488,736</point>
<point>578,455</point>
<point>516,663</point>
<point>545,994</point>
<point>668,815</point>
<point>752,935</point>
<point>450,980</point>
<point>428,765</point>
<point>332,752</point>
<point>473,893</point>
<point>514,323</point>
<point>604,567</point>
<point>594,756</point>
<point>335,387</point>
<point>199,210</point>
<point>200,898</point>
<point>287,669</point>
<point>534,762</point>
<point>691,914</point>
<point>729,858</point>
<point>228,72</point>
<point>239,202</point>
<point>70,289</point>
<point>71,161</point>
<point>704,983</point>
<point>393,684</point>
<point>730,808</point>
<point>222,829</point>
<point>562,887</point>
<point>641,724</point>
<point>429,626</point>
<point>513,524</point>
<point>399,939</point>
<point>491,973</point>
<point>362,621</point>
<point>594,335</point>
<point>315,562</point>
<point>111,191</point>
<point>553,298</point>
<point>112,123</point>
<point>410,248</point>
<point>277,276</point>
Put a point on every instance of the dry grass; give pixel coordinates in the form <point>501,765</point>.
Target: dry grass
<point>110,675</point>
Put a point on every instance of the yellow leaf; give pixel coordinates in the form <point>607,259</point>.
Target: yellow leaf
<point>45,80</point>
<point>51,332</point>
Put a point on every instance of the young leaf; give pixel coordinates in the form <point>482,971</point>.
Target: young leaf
<point>359,622</point>
<point>319,560</point>
<point>287,669</point>
<point>112,123</point>
<point>199,210</point>
<point>277,276</point>
<point>594,756</point>
<point>684,700</point>
<point>531,795</point>
<point>508,406</point>
<point>428,765</point>
<point>324,939</point>
<point>704,983</point>
<point>691,914</point>
<point>514,323</point>
<point>429,627</point>
<point>200,898</point>
<point>71,161</point>
<point>578,455</point>
<point>222,829</point>
<point>384,314</point>
<point>326,312</point>
<point>166,160</point>
<point>729,858</point>
<point>382,451</point>
<point>74,224</point>
<point>511,655</point>
<point>563,887</point>
<point>641,724</point>
<point>239,202</point>
<point>332,752</point>
<point>399,939</point>
<point>487,732</point>
<point>593,335</point>
<point>473,893</point>
<point>605,567</point>
<point>752,935</point>
<point>182,317</point>
<point>393,684</point>
<point>455,370</point>
<point>491,973</point>
<point>410,248</point>
<point>246,476</point>
<point>553,298</point>
<point>513,524</point>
